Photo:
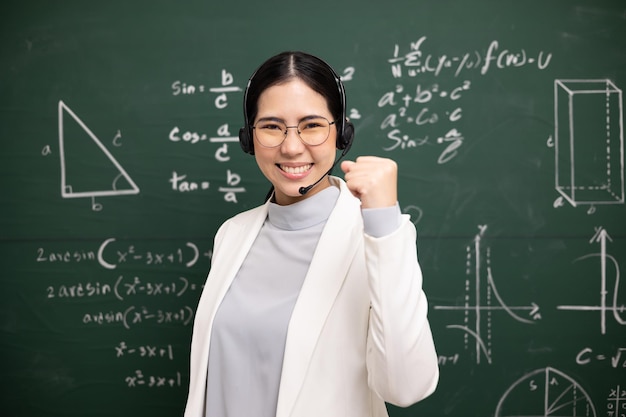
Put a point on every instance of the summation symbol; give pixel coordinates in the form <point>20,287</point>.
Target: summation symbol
<point>602,237</point>
<point>87,170</point>
<point>545,392</point>
<point>484,292</point>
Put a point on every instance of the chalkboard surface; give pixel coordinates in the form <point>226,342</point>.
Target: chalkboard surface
<point>119,159</point>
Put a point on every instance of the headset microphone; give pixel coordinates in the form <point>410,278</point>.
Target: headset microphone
<point>304,190</point>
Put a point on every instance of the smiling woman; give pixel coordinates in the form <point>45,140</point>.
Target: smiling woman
<point>290,162</point>
<point>314,304</point>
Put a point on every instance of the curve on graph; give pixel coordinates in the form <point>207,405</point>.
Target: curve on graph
<point>476,336</point>
<point>504,306</point>
<point>614,308</point>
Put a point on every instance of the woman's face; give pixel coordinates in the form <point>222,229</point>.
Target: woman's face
<point>293,164</point>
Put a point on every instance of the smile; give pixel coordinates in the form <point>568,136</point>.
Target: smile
<point>295,170</point>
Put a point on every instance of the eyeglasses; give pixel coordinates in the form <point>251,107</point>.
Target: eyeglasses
<point>312,131</point>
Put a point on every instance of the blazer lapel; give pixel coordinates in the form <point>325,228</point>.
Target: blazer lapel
<point>238,239</point>
<point>327,272</point>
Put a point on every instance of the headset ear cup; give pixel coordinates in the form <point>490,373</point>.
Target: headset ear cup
<point>347,136</point>
<point>245,140</point>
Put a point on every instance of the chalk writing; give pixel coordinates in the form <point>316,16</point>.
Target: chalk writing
<point>449,360</point>
<point>429,106</point>
<point>182,88</point>
<point>123,288</point>
<point>616,402</point>
<point>613,305</point>
<point>187,137</point>
<point>138,379</point>
<point>120,183</point>
<point>136,286</point>
<point>133,316</point>
<point>425,106</point>
<point>223,138</point>
<point>616,359</point>
<point>181,184</point>
<point>144,351</point>
<point>79,290</point>
<point>576,100</point>
<point>417,61</point>
<point>64,256</point>
<point>562,396</point>
<point>480,298</point>
<point>110,255</point>
<point>230,192</point>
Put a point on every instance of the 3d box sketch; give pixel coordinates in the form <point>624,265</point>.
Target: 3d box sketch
<point>589,141</point>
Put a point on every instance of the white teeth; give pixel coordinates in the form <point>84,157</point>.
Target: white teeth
<point>296,170</point>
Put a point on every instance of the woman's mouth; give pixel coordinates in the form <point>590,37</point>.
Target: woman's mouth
<point>295,170</point>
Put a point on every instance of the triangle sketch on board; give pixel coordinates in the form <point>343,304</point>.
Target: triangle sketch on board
<point>103,178</point>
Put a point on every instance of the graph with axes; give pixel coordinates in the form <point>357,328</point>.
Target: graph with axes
<point>482,300</point>
<point>608,301</point>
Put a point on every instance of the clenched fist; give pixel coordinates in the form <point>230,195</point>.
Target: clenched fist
<point>372,180</point>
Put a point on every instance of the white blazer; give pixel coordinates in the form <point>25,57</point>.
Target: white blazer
<point>358,335</point>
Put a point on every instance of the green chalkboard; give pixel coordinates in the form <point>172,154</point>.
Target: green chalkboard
<point>119,160</point>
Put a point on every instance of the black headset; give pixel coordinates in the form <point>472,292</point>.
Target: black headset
<point>345,132</point>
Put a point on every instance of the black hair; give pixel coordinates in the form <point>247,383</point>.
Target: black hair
<point>287,66</point>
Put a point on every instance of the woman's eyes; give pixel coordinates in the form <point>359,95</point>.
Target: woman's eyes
<point>272,126</point>
<point>310,125</point>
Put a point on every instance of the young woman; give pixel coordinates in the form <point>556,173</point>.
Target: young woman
<point>314,304</point>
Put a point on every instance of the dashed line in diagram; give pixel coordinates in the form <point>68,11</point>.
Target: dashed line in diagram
<point>607,264</point>
<point>483,300</point>
<point>88,170</point>
<point>588,142</point>
<point>545,392</point>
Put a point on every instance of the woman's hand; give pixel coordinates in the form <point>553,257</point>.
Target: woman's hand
<point>372,180</point>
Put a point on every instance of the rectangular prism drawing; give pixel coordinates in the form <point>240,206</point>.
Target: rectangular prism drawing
<point>589,141</point>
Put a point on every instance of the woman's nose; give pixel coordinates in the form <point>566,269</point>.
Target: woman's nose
<point>292,142</point>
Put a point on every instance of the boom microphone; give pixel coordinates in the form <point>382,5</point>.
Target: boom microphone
<point>304,190</point>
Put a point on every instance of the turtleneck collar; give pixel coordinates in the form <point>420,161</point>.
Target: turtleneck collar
<point>306,213</point>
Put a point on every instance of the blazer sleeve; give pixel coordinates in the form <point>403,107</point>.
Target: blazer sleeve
<point>401,359</point>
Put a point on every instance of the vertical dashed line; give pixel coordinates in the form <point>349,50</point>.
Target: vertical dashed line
<point>608,136</point>
<point>468,271</point>
<point>488,261</point>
